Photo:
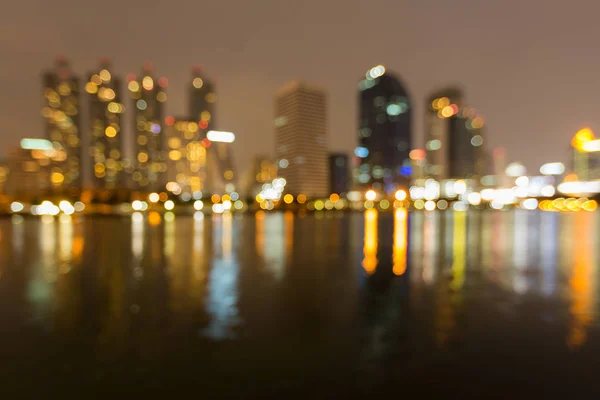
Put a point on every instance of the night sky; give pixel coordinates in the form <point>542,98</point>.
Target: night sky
<point>530,67</point>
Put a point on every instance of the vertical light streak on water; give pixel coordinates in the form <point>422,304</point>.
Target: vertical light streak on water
<point>65,243</point>
<point>582,281</point>
<point>370,242</point>
<point>223,293</point>
<point>259,233</point>
<point>548,251</point>
<point>416,250</point>
<point>198,246</point>
<point>459,248</point>
<point>137,243</point>
<point>274,244</point>
<point>400,241</point>
<point>520,243</point>
<point>289,236</point>
<point>431,246</point>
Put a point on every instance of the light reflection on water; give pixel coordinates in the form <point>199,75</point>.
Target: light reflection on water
<point>216,274</point>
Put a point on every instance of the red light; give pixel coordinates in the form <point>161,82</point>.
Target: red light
<point>163,82</point>
<point>417,154</point>
<point>205,143</point>
<point>169,120</point>
<point>198,68</point>
<point>203,124</point>
<point>148,66</point>
<point>499,152</point>
<point>130,77</point>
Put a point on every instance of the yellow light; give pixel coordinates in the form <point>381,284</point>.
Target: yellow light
<point>105,75</point>
<point>193,127</point>
<point>447,112</point>
<point>174,143</point>
<point>91,88</point>
<point>96,79</point>
<point>147,83</point>
<point>400,195</point>
<point>443,102</point>
<point>99,168</point>
<point>400,241</point>
<point>110,131</point>
<point>334,197</point>
<point>169,205</point>
<point>205,116</point>
<point>228,175</point>
<point>211,97</point>
<point>114,108</point>
<point>581,138</point>
<point>319,204</point>
<point>154,197</point>
<point>370,242</point>
<point>57,178</point>
<point>175,155</point>
<point>215,198</point>
<point>142,157</point>
<point>590,205</point>
<point>153,218</point>
<point>198,83</point>
<point>133,86</point>
<point>435,104</point>
<point>161,96</point>
<point>301,199</point>
<point>288,198</point>
<point>371,195</point>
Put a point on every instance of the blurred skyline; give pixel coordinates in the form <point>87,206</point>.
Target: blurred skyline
<point>530,68</point>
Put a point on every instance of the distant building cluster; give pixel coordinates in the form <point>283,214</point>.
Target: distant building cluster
<point>108,138</point>
<point>86,139</point>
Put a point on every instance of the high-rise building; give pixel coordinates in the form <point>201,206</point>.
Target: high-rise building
<point>34,169</point>
<point>105,125</point>
<point>301,139</point>
<point>454,137</point>
<point>186,157</point>
<point>61,112</point>
<point>148,97</point>
<point>4,172</point>
<point>384,134</point>
<point>338,173</point>
<point>221,177</point>
<point>202,99</point>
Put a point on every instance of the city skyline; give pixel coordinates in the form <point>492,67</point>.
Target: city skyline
<point>513,90</point>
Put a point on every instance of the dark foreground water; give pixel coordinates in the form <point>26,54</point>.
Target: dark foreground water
<point>472,305</point>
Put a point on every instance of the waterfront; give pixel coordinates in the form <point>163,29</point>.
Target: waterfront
<point>481,302</point>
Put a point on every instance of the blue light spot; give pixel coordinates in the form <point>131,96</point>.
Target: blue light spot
<point>361,152</point>
<point>406,170</point>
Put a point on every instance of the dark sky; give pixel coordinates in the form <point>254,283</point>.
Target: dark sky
<point>530,66</point>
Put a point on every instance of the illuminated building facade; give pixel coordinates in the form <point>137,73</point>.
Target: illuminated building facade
<point>202,101</point>
<point>61,112</point>
<point>221,177</point>
<point>301,139</point>
<point>186,157</point>
<point>34,169</point>
<point>4,172</point>
<point>454,137</point>
<point>105,124</point>
<point>586,155</point>
<point>149,164</point>
<point>338,173</point>
<point>384,135</point>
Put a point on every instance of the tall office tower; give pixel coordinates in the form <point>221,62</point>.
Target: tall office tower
<point>384,133</point>
<point>186,158</point>
<point>338,173</point>
<point>148,98</point>
<point>221,177</point>
<point>106,134</point>
<point>202,99</point>
<point>301,139</point>
<point>454,135</point>
<point>61,111</point>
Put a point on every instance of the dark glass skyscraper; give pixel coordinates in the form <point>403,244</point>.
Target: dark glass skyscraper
<point>384,132</point>
<point>338,173</point>
<point>454,135</point>
<point>202,99</point>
